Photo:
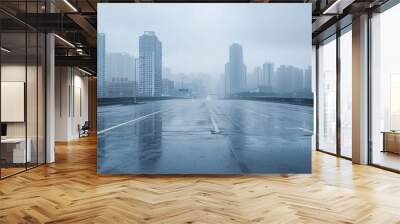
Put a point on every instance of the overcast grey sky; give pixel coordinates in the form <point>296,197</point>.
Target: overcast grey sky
<point>196,37</point>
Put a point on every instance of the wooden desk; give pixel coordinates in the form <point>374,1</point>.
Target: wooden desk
<point>17,148</point>
<point>391,141</point>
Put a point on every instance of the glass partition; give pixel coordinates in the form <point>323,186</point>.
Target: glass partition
<point>22,91</point>
<point>385,89</point>
<point>346,93</point>
<point>327,95</point>
<point>31,97</point>
<point>13,108</point>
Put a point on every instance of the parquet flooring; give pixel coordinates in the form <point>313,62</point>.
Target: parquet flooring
<point>70,191</point>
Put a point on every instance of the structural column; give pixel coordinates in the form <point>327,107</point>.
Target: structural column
<point>50,92</point>
<point>360,89</point>
<point>50,99</point>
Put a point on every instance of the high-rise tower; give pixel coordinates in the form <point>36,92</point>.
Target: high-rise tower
<point>150,65</point>
<point>235,70</point>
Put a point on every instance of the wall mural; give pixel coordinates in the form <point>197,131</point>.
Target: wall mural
<point>204,88</point>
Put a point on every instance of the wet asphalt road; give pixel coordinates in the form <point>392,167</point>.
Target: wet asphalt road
<point>204,137</point>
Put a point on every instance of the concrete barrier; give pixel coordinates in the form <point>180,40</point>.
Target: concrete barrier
<point>275,99</point>
<point>130,100</point>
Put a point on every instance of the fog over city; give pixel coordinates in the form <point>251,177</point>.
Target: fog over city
<point>194,33</point>
<point>217,49</point>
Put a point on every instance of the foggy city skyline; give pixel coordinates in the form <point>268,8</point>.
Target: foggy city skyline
<point>204,89</point>
<point>125,73</point>
<point>205,49</point>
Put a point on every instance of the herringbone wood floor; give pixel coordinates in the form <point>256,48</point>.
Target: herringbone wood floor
<point>70,191</point>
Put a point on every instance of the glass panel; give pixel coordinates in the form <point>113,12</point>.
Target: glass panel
<point>346,94</point>
<point>31,98</point>
<point>313,81</point>
<point>386,89</point>
<point>32,89</point>
<point>327,96</point>
<point>23,90</point>
<point>13,86</point>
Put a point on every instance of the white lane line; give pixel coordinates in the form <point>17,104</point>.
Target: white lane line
<point>128,122</point>
<point>226,115</point>
<point>306,130</point>
<point>301,129</point>
<point>214,123</point>
<point>216,129</point>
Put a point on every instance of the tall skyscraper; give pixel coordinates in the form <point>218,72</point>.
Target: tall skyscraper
<point>150,65</point>
<point>258,75</point>
<point>268,71</point>
<point>235,70</point>
<point>101,63</point>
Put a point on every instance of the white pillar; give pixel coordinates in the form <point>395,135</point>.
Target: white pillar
<point>50,99</point>
<point>360,90</point>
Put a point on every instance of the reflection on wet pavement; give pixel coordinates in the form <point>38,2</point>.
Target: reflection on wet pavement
<point>204,137</point>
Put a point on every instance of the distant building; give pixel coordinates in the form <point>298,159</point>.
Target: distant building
<point>136,64</point>
<point>253,78</point>
<point>227,82</point>
<point>120,87</point>
<point>220,87</point>
<point>184,93</point>
<point>168,88</point>
<point>195,87</point>
<point>120,65</point>
<point>306,84</point>
<point>307,79</point>
<point>101,63</point>
<point>289,80</point>
<point>267,74</point>
<point>166,73</point>
<point>235,70</point>
<point>150,65</point>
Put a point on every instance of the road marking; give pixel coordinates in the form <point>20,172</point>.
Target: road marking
<point>214,123</point>
<point>301,129</point>
<point>216,129</point>
<point>306,130</point>
<point>226,115</point>
<point>131,121</point>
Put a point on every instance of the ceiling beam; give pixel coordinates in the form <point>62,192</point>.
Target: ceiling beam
<point>79,61</point>
<point>83,23</point>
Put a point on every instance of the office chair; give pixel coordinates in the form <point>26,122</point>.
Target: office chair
<point>84,130</point>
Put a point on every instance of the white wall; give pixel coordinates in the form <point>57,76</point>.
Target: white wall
<point>17,73</point>
<point>71,87</point>
<point>33,126</point>
<point>79,115</point>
